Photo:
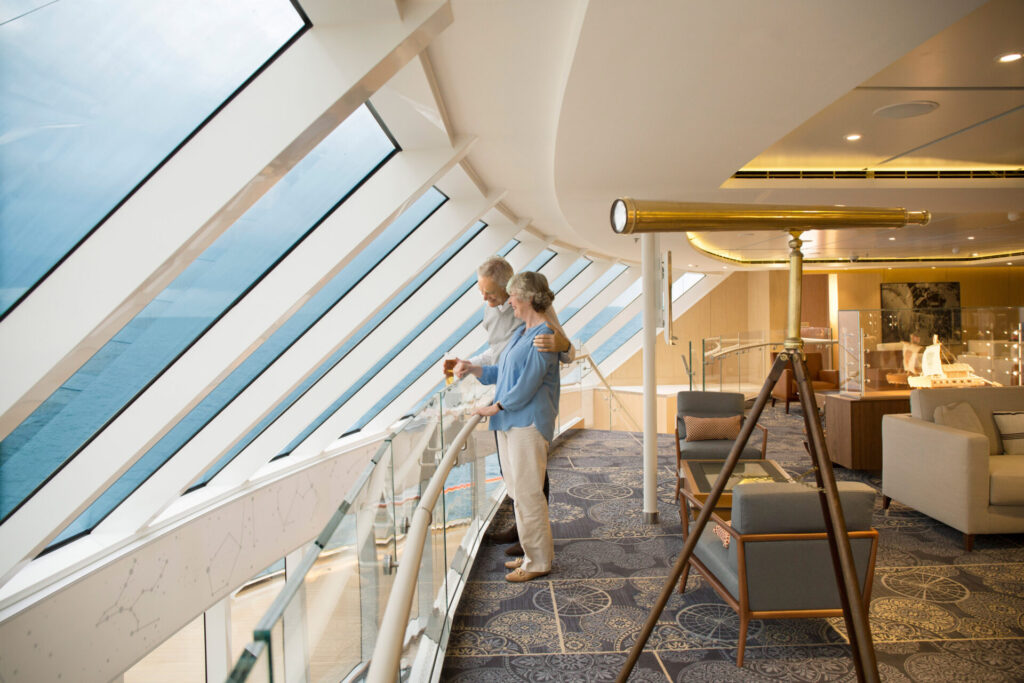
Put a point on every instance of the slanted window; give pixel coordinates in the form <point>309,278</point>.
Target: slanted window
<point>595,288</point>
<point>610,311</point>
<point>218,278</point>
<point>338,356</point>
<point>253,366</point>
<point>636,323</point>
<point>577,267</point>
<point>96,95</point>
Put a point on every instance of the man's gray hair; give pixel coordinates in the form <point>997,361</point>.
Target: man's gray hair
<point>497,269</point>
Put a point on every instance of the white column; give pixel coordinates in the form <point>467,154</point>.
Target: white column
<point>217,633</point>
<point>650,268</point>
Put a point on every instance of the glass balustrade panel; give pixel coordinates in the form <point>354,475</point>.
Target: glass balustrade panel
<point>253,665</point>
<point>345,573</point>
<point>279,659</point>
<point>179,658</point>
<point>250,602</point>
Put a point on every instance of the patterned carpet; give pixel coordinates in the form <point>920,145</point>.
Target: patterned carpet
<point>937,612</point>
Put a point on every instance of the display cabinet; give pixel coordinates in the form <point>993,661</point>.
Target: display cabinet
<point>880,349</point>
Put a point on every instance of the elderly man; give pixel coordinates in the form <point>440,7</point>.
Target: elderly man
<point>500,323</point>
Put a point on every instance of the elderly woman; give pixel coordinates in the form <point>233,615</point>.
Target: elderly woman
<point>523,417</point>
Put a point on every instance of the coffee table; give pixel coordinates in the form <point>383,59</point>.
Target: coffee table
<point>700,476</point>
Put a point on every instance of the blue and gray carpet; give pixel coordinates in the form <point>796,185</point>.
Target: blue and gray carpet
<point>937,613</point>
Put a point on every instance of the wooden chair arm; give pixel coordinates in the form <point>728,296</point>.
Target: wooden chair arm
<point>764,439</point>
<point>715,517</point>
<point>679,455</point>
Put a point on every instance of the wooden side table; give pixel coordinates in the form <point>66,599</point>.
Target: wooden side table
<point>700,476</point>
<point>853,426</point>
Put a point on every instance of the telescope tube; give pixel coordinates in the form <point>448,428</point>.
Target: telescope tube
<point>630,216</point>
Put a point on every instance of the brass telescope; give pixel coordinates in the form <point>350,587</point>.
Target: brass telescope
<point>644,215</point>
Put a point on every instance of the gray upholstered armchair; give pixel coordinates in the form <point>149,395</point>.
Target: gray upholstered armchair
<point>777,564</point>
<point>703,404</point>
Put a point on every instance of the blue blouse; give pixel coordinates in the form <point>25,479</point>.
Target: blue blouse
<point>527,384</point>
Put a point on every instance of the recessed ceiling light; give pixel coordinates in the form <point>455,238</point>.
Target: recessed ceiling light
<point>906,110</point>
<point>1010,57</point>
<point>971,237</point>
<point>974,254</point>
<point>892,239</point>
<point>853,137</point>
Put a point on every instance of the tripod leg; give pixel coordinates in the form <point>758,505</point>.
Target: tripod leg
<point>705,514</point>
<point>810,428</point>
<point>854,611</point>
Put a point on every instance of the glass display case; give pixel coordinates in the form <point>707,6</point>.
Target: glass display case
<point>899,349</point>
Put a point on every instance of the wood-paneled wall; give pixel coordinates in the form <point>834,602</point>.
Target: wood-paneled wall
<point>979,286</point>
<point>748,301</point>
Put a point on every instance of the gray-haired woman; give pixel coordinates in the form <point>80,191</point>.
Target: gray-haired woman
<point>523,416</point>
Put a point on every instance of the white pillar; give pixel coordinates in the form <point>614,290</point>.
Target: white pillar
<point>217,634</point>
<point>651,289</point>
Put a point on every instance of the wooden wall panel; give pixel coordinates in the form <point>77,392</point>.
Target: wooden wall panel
<point>749,301</point>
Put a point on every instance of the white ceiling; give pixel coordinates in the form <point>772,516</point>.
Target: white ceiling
<point>576,103</point>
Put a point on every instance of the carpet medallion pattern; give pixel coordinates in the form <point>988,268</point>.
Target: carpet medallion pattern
<point>937,612</point>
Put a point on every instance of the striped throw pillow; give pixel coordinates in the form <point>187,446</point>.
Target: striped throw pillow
<point>707,428</point>
<point>1010,424</point>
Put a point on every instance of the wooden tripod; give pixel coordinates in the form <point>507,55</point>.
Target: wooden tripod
<point>854,611</point>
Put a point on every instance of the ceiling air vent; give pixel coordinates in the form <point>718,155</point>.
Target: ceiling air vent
<point>984,174</point>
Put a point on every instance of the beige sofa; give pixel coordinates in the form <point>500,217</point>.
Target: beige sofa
<point>958,477</point>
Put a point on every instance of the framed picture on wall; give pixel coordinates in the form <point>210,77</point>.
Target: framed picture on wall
<point>916,312</point>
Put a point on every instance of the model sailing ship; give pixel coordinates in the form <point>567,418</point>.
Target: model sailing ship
<point>935,373</point>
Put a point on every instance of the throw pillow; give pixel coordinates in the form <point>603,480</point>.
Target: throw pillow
<point>1010,424</point>
<point>959,416</point>
<point>722,534</point>
<point>708,428</point>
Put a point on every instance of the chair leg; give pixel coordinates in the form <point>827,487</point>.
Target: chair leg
<point>787,405</point>
<point>968,542</point>
<point>679,462</point>
<point>741,646</point>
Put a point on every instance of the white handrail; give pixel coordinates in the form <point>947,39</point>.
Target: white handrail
<point>387,653</point>
<point>736,348</point>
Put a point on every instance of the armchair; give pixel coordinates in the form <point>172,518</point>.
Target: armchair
<point>775,528</point>
<point>821,380</point>
<point>710,404</point>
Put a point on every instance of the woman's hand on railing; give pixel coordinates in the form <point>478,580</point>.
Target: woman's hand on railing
<point>487,411</point>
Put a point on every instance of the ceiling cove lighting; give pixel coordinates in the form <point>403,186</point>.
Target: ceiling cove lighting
<point>1010,57</point>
